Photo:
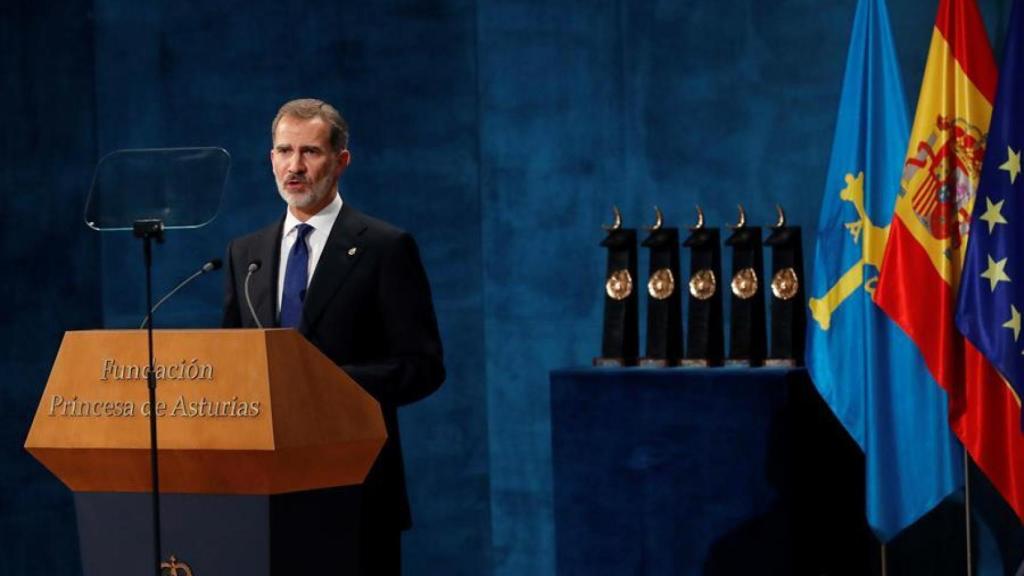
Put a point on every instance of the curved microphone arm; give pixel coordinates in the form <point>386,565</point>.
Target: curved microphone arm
<point>253,267</point>
<point>207,267</point>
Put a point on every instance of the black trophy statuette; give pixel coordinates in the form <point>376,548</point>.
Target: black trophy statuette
<point>664,304</point>
<point>746,306</point>
<point>620,342</point>
<point>789,317</point>
<point>704,342</point>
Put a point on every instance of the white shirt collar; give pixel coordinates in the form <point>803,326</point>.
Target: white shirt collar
<point>321,221</point>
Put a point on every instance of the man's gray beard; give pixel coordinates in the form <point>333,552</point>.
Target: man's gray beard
<point>316,193</point>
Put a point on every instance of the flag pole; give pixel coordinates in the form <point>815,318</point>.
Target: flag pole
<point>884,563</point>
<point>967,510</point>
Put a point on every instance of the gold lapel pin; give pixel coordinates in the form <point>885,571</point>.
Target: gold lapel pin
<point>352,251</point>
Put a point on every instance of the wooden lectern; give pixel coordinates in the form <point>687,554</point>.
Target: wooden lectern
<point>258,433</point>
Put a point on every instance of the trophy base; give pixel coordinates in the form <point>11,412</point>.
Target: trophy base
<point>653,363</point>
<point>609,362</point>
<point>781,362</point>
<point>743,363</point>
<point>695,363</point>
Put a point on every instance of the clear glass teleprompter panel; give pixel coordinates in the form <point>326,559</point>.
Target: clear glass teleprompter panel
<point>182,187</point>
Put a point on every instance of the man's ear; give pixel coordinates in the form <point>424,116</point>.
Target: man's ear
<point>344,159</point>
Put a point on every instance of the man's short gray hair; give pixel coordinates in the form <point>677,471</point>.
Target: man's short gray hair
<point>308,108</point>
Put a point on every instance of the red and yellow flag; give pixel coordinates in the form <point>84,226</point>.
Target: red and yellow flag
<point>921,269</point>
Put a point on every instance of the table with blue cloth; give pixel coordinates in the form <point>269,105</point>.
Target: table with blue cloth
<point>703,471</point>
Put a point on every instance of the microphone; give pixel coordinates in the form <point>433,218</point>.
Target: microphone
<point>253,267</point>
<point>209,266</point>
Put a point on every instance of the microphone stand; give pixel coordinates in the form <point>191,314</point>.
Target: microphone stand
<point>148,230</point>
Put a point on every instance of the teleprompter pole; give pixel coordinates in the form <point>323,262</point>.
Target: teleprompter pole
<point>148,230</point>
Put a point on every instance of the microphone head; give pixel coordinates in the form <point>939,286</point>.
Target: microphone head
<point>254,266</point>
<point>212,265</point>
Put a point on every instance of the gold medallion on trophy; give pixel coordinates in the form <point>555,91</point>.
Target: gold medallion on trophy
<point>785,284</point>
<point>744,283</point>
<point>703,284</point>
<point>619,285</point>
<point>661,284</point>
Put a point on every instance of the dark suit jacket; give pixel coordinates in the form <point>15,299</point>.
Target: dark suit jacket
<point>368,308</point>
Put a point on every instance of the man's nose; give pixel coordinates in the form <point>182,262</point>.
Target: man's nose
<point>296,165</point>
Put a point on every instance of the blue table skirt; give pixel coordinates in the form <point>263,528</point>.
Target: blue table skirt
<point>703,471</point>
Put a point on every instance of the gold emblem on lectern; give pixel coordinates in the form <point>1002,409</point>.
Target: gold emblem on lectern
<point>619,285</point>
<point>703,284</point>
<point>174,568</point>
<point>661,284</point>
<point>785,284</point>
<point>744,283</point>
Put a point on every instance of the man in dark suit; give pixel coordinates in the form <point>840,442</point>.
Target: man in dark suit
<point>354,286</point>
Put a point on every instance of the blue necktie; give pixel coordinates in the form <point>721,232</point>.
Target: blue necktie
<point>295,277</point>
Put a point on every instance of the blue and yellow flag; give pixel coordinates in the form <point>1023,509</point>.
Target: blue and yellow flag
<point>991,298</point>
<point>864,366</point>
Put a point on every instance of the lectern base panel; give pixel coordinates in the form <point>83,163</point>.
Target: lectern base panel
<point>294,534</point>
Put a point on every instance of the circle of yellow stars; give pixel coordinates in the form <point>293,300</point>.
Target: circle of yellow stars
<point>993,216</point>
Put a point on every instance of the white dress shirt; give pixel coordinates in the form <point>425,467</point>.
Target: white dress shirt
<point>322,222</point>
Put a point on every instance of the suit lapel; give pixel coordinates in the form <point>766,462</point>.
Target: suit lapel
<point>264,285</point>
<point>341,253</point>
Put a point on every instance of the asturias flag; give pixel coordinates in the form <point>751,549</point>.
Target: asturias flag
<point>864,366</point>
<point>991,297</point>
<point>921,271</point>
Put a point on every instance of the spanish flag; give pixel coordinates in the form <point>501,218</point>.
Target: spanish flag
<point>932,220</point>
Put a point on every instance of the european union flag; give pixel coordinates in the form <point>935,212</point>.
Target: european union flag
<point>864,366</point>
<point>991,298</point>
